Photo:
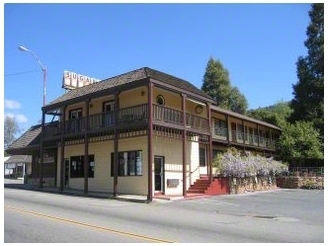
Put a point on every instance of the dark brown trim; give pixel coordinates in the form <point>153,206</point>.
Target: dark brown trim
<point>184,144</point>
<point>210,142</point>
<point>86,148</point>
<point>116,135</point>
<point>62,152</point>
<point>258,135</point>
<point>41,150</point>
<point>243,125</point>
<point>228,129</point>
<point>150,142</point>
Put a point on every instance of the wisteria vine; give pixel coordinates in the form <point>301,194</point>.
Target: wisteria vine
<point>233,164</point>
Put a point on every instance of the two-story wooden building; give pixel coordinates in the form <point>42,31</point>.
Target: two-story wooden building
<point>143,132</point>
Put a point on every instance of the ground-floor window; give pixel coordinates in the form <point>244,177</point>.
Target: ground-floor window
<point>77,166</point>
<point>129,163</point>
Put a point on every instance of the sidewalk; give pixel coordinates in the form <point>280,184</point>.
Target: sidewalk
<point>19,184</point>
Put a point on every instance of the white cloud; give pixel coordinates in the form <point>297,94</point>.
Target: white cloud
<point>20,118</point>
<point>11,104</point>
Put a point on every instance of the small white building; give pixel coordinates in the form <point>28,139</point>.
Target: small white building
<point>16,166</point>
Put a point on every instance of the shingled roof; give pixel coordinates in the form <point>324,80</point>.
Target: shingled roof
<point>28,141</point>
<point>130,77</point>
<point>19,159</point>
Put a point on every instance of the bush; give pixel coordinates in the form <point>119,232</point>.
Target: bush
<point>233,164</point>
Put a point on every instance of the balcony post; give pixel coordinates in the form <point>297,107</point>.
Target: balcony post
<point>150,142</point>
<point>62,150</point>
<point>41,151</point>
<point>228,129</point>
<point>210,151</point>
<point>184,144</point>
<point>116,135</point>
<point>258,135</point>
<point>243,124</point>
<point>86,147</point>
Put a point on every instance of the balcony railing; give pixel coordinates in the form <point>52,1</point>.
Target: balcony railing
<point>131,115</point>
<point>238,137</point>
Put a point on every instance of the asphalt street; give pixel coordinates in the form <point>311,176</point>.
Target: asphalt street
<point>280,216</point>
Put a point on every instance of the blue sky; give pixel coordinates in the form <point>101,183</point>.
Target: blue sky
<point>258,44</point>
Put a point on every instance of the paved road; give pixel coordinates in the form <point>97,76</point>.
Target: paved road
<point>276,216</point>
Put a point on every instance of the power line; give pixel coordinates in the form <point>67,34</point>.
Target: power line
<point>11,74</point>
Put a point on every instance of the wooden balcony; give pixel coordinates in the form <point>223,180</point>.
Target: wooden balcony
<point>127,118</point>
<point>238,137</point>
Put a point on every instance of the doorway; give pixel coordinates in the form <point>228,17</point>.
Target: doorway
<point>159,173</point>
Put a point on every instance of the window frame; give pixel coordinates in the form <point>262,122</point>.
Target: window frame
<point>129,163</point>
<point>78,161</point>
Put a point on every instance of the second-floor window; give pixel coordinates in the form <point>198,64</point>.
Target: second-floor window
<point>240,132</point>
<point>220,127</point>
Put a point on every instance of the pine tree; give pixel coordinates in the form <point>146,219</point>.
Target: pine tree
<point>308,101</point>
<point>216,83</point>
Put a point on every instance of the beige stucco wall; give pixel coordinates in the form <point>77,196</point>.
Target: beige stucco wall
<point>171,149</point>
<point>133,97</point>
<point>102,180</point>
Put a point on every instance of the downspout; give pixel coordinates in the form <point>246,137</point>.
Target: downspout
<point>41,151</point>
<point>184,144</point>
<point>150,142</point>
<point>86,148</point>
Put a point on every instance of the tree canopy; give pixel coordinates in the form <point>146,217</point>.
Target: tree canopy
<point>10,130</point>
<point>216,83</point>
<point>300,140</point>
<point>308,101</point>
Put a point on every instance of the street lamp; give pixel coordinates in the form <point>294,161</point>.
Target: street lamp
<point>44,71</point>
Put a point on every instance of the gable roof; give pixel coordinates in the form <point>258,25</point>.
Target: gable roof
<point>244,117</point>
<point>130,77</point>
<point>19,159</point>
<point>28,141</point>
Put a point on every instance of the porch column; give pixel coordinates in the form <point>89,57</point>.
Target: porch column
<point>258,135</point>
<point>210,146</point>
<point>184,144</point>
<point>86,148</point>
<point>62,150</point>
<point>41,151</point>
<point>243,124</point>
<point>150,142</point>
<point>116,135</point>
<point>228,129</point>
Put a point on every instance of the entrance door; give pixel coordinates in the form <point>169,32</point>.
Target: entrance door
<point>66,172</point>
<point>159,173</point>
<point>108,112</point>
